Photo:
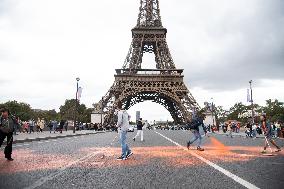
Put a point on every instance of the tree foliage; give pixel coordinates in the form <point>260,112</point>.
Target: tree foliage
<point>67,111</point>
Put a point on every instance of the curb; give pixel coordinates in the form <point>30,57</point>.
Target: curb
<point>245,136</point>
<point>53,137</point>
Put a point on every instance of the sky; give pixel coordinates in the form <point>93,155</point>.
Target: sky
<point>220,44</point>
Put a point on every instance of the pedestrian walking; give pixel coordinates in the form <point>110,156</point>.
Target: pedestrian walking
<point>66,125</point>
<point>194,127</point>
<point>41,124</point>
<point>123,126</point>
<point>278,129</point>
<point>17,125</point>
<point>139,130</point>
<point>31,125</point>
<point>7,126</point>
<point>268,133</point>
<point>50,126</point>
<point>25,127</point>
<point>54,125</point>
<point>61,125</point>
<point>230,130</point>
<point>254,127</point>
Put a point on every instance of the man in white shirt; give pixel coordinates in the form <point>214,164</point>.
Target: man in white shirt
<point>123,125</point>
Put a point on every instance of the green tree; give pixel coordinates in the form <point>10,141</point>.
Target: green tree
<point>220,114</point>
<point>20,109</point>
<point>237,109</point>
<point>67,111</point>
<point>274,110</point>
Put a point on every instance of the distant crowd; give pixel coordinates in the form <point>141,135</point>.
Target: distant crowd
<point>252,130</point>
<point>39,125</point>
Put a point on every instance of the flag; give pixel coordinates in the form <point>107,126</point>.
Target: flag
<point>248,96</point>
<point>79,93</point>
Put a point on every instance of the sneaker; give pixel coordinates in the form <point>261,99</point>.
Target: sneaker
<point>263,152</point>
<point>278,150</point>
<point>129,154</point>
<point>188,145</point>
<point>134,139</point>
<point>121,158</point>
<point>200,149</point>
<point>10,159</point>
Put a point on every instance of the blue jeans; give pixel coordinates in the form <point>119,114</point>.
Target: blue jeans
<point>196,136</point>
<point>124,146</point>
<point>254,133</point>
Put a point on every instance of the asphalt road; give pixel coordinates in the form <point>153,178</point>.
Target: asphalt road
<point>158,162</point>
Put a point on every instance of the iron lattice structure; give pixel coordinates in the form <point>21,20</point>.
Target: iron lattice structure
<point>163,85</point>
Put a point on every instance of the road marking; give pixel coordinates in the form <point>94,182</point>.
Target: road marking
<point>215,166</point>
<point>26,144</point>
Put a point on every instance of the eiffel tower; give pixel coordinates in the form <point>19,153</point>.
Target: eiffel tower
<point>163,85</point>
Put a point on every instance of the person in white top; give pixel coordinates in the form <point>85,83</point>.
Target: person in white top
<point>123,126</point>
<point>254,126</point>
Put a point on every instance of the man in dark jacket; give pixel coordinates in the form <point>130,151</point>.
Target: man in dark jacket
<point>194,127</point>
<point>7,125</point>
<point>139,129</point>
<point>61,125</point>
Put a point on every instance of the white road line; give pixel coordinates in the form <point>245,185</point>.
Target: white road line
<point>26,144</point>
<point>215,166</point>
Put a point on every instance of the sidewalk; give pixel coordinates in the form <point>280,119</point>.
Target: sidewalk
<point>46,135</point>
<point>240,134</point>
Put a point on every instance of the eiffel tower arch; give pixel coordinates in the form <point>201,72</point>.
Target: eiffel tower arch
<point>163,85</point>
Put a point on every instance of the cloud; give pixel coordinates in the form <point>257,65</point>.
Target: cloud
<point>221,45</point>
<point>224,44</point>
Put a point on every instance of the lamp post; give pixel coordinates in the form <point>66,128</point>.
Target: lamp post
<point>251,100</point>
<point>212,111</point>
<point>76,105</point>
<point>102,109</point>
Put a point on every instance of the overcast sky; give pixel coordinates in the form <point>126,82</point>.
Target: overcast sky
<point>221,45</point>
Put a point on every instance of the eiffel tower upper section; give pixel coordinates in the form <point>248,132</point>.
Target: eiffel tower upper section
<point>149,35</point>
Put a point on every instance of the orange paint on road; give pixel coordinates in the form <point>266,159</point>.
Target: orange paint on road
<point>27,160</point>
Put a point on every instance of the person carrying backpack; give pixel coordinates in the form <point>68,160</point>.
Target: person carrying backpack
<point>7,126</point>
<point>194,127</point>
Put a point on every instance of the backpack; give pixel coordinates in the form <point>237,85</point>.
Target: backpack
<point>194,124</point>
<point>4,129</point>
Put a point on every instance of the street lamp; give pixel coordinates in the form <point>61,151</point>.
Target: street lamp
<point>251,100</point>
<point>212,111</point>
<point>76,106</point>
<point>102,110</point>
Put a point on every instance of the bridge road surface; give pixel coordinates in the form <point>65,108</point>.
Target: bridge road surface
<point>159,162</point>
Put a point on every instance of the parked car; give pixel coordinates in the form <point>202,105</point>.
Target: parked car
<point>131,128</point>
